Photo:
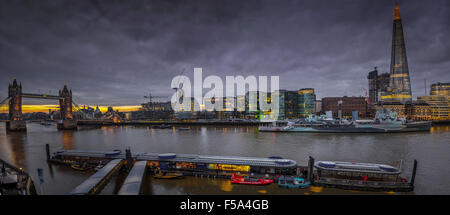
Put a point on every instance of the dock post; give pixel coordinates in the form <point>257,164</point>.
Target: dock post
<point>310,169</point>
<point>47,150</point>
<point>413,177</point>
<point>128,158</point>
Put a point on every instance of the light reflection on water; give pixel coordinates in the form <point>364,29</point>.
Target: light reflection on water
<point>431,149</point>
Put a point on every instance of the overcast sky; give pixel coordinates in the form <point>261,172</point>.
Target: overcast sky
<point>116,51</point>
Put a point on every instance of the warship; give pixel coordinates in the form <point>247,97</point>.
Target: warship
<point>384,122</point>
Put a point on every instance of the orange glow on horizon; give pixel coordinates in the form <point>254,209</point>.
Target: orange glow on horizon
<point>45,108</point>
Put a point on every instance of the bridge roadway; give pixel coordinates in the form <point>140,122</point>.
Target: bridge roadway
<point>40,96</point>
<point>133,182</point>
<point>95,183</point>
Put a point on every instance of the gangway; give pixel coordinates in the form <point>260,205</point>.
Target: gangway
<point>94,184</point>
<point>133,182</point>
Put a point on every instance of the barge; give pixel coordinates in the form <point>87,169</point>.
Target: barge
<point>361,176</point>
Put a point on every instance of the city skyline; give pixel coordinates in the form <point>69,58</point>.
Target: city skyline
<point>105,55</point>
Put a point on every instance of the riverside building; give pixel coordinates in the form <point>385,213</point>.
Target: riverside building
<point>306,102</point>
<point>344,106</point>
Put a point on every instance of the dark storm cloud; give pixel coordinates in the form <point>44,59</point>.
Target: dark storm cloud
<point>114,52</point>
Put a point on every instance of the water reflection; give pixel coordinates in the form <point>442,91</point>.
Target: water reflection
<point>439,129</point>
<point>315,189</point>
<point>108,130</point>
<point>226,186</point>
<point>17,142</point>
<point>262,191</point>
<point>67,140</point>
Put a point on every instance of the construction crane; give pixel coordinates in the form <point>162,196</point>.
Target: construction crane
<point>150,97</point>
<point>178,84</point>
<point>179,88</point>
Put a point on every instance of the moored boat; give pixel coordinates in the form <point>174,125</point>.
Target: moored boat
<point>79,167</point>
<point>292,182</point>
<point>237,179</point>
<point>162,126</point>
<point>361,176</point>
<point>168,175</point>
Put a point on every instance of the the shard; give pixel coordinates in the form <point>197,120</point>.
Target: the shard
<point>399,86</point>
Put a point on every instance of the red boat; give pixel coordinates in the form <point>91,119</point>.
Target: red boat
<point>237,179</point>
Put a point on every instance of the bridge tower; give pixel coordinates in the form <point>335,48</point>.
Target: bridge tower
<point>65,107</point>
<point>16,123</point>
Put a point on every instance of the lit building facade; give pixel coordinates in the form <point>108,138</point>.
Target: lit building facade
<point>440,89</point>
<point>418,111</point>
<point>288,108</point>
<point>292,104</point>
<point>399,86</point>
<point>229,108</point>
<point>291,101</point>
<point>252,109</point>
<point>440,106</point>
<point>306,102</point>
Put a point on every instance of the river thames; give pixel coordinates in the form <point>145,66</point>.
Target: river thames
<point>431,149</point>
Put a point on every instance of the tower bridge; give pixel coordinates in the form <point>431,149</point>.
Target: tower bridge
<point>15,120</point>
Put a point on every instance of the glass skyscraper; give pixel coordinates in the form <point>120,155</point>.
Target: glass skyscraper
<point>399,85</point>
<point>306,102</point>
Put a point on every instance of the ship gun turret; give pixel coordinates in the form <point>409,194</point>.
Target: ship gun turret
<point>387,116</point>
